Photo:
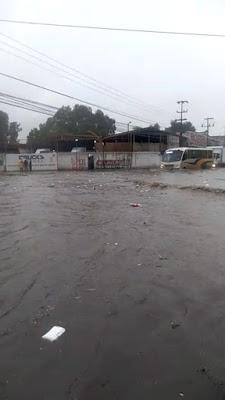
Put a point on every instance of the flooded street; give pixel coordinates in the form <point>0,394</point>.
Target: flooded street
<point>140,291</point>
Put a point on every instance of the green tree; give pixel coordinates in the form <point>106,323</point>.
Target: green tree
<point>154,127</point>
<point>176,127</point>
<point>13,132</point>
<point>4,126</point>
<point>76,121</point>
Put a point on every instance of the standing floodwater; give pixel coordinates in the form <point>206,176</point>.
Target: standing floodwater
<point>137,291</point>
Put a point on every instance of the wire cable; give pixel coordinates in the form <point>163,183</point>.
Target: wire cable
<point>25,108</point>
<point>107,90</point>
<point>73,98</point>
<point>116,29</point>
<point>47,108</point>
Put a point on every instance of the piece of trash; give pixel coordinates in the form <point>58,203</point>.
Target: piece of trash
<point>116,244</point>
<point>77,298</point>
<point>174,325</point>
<point>162,258</point>
<point>181,394</point>
<point>91,290</point>
<point>207,185</point>
<point>54,333</point>
<point>51,185</point>
<point>108,243</point>
<point>139,265</point>
<point>135,205</point>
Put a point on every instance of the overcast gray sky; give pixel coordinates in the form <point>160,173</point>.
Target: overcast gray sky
<point>156,69</point>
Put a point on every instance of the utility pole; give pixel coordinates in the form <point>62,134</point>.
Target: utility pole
<point>129,135</point>
<point>207,126</point>
<point>181,119</point>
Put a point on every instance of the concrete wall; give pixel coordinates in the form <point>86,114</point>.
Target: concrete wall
<point>64,161</point>
<point>113,160</point>
<point>73,161</point>
<point>2,162</point>
<point>146,160</point>
<point>79,161</point>
<point>40,162</point>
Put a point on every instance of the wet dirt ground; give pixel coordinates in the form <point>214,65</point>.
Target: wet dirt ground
<point>140,291</point>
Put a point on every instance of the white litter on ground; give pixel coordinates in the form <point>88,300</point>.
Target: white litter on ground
<point>54,333</point>
<point>91,290</point>
<point>116,244</point>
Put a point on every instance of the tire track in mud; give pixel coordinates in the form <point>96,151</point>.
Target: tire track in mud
<point>21,297</point>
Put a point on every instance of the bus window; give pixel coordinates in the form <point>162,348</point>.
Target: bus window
<point>185,155</point>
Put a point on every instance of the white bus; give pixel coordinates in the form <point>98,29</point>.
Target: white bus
<point>188,158</point>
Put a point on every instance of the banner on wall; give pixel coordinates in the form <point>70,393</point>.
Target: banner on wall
<point>38,162</point>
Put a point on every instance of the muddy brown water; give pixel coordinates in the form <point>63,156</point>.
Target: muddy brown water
<point>140,291</point>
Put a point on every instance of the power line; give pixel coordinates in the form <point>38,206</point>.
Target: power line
<point>36,106</point>
<point>52,70</point>
<point>27,102</point>
<point>74,98</point>
<point>25,108</point>
<point>109,28</point>
<point>108,90</point>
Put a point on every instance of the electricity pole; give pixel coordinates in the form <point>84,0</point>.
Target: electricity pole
<point>181,119</point>
<point>207,126</point>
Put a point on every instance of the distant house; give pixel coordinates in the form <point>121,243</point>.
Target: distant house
<point>144,139</point>
<point>195,139</point>
<point>217,140</point>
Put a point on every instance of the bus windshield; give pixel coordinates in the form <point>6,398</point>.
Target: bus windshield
<point>172,155</point>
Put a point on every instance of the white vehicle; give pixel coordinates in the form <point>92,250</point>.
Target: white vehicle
<point>218,155</point>
<point>41,151</point>
<point>187,158</point>
<point>78,149</point>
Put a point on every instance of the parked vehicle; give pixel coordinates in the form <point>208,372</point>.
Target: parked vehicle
<point>41,151</point>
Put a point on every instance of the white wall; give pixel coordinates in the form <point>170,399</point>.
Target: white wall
<point>2,162</point>
<point>64,161</point>
<point>112,160</point>
<point>79,161</point>
<point>146,160</point>
<point>73,161</point>
<point>40,162</point>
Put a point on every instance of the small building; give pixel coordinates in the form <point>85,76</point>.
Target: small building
<point>218,140</point>
<point>137,140</point>
<point>65,142</point>
<point>198,139</point>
